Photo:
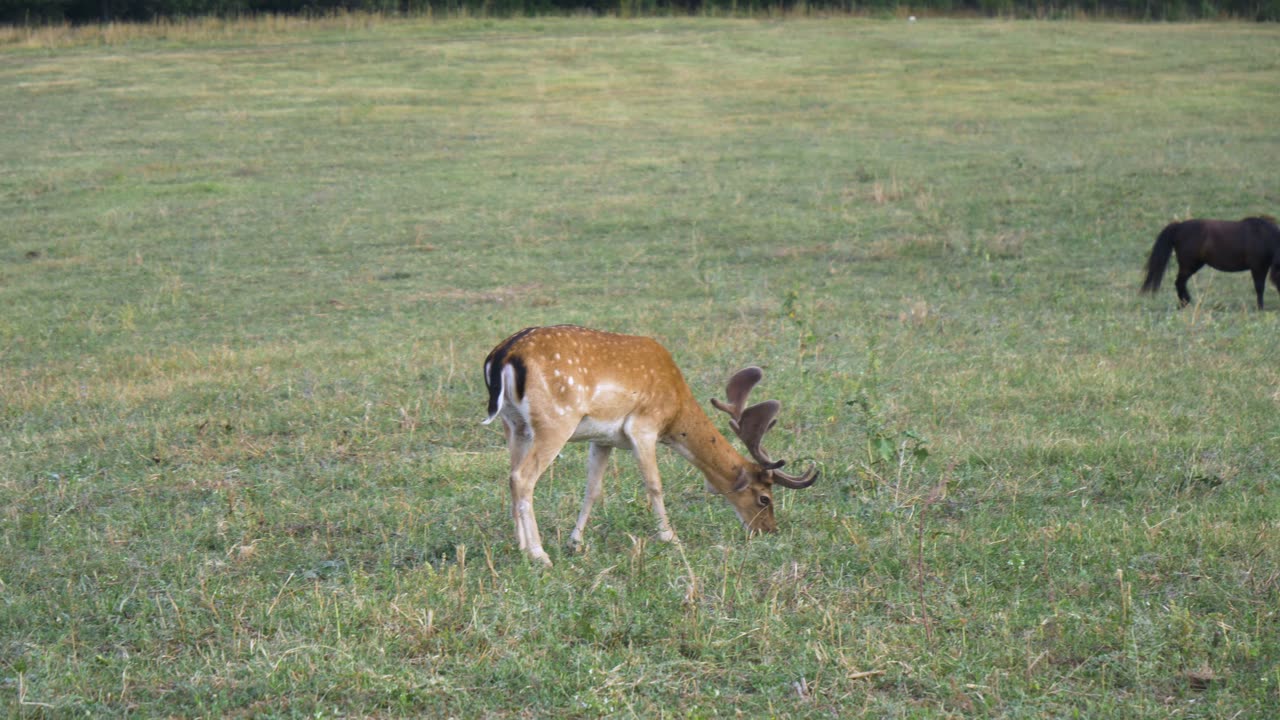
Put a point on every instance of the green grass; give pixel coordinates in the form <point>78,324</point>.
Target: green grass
<point>250,272</point>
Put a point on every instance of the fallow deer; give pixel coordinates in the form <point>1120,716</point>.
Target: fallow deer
<point>559,384</point>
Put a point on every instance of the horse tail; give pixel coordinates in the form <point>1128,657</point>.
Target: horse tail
<point>1159,258</point>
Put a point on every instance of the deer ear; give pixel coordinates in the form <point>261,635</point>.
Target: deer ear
<point>744,479</point>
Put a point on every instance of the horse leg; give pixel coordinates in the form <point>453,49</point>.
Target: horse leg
<point>1184,273</point>
<point>1259,282</point>
<point>1275,277</point>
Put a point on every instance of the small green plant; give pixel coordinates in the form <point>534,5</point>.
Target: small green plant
<point>890,454</point>
<point>800,315</point>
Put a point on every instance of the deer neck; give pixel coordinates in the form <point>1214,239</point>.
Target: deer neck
<point>695,437</point>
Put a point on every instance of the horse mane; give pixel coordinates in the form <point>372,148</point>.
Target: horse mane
<point>1268,224</point>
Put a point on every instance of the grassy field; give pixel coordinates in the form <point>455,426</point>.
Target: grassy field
<point>250,272</point>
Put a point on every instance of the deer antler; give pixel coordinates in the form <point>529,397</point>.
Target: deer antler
<point>738,389</point>
<point>751,423</point>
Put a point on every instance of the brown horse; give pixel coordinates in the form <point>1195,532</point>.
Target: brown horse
<point>1251,244</point>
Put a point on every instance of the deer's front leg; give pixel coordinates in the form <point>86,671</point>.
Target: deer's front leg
<point>645,448</point>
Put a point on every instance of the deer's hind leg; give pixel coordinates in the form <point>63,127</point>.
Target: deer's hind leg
<point>597,461</point>
<point>532,452</point>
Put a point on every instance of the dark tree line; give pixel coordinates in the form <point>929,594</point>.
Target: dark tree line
<point>91,11</point>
